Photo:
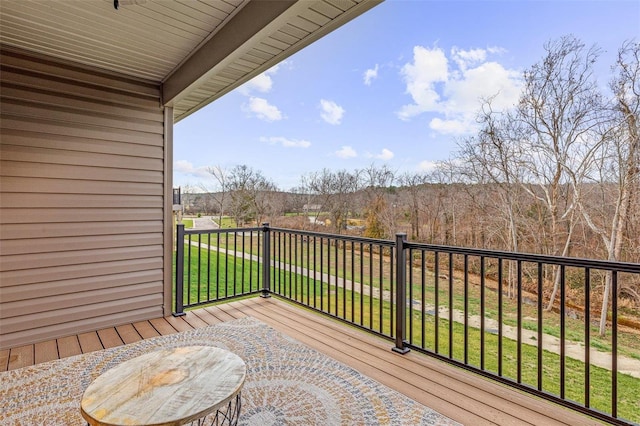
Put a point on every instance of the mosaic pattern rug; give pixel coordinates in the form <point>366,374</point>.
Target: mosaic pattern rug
<point>287,383</point>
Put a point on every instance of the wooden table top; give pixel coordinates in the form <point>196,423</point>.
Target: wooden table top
<point>165,387</point>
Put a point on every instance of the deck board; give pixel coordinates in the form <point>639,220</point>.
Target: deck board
<point>233,310</point>
<point>454,392</point>
<point>221,314</point>
<point>206,316</point>
<point>45,351</point>
<point>128,333</point>
<point>145,329</point>
<point>162,326</point>
<point>90,342</point>
<point>179,323</point>
<point>194,320</point>
<point>4,360</point>
<point>110,338</point>
<point>69,346</point>
<point>21,357</point>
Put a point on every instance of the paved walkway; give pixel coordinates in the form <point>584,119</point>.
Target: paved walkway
<point>204,222</point>
<point>575,350</point>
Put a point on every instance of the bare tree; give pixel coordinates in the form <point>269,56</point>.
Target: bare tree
<point>335,192</point>
<point>618,162</point>
<point>219,191</point>
<point>344,185</point>
<point>413,183</point>
<point>438,205</point>
<point>495,158</point>
<point>318,185</point>
<point>380,214</point>
<point>266,199</point>
<point>249,194</point>
<point>558,113</point>
<point>541,144</point>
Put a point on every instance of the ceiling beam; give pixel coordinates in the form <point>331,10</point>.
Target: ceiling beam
<point>246,25</point>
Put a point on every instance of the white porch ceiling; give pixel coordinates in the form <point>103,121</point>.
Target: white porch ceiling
<point>198,50</point>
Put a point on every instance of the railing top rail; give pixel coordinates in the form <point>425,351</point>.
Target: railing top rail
<point>220,231</point>
<point>363,240</point>
<point>525,257</point>
<point>531,257</point>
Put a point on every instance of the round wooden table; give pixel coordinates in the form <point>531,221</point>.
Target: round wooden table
<point>168,387</point>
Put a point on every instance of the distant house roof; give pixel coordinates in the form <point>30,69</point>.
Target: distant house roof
<point>196,50</point>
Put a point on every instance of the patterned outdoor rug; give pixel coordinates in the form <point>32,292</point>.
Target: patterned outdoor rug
<point>287,383</point>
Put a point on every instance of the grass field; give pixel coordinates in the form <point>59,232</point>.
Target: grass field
<point>218,276</point>
<point>226,222</point>
<point>377,271</point>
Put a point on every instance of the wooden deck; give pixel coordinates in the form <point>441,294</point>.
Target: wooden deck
<point>456,393</point>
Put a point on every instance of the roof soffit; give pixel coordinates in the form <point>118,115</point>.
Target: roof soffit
<point>299,25</point>
<point>144,39</point>
<point>196,50</point>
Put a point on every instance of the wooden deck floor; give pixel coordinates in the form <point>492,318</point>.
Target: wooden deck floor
<point>458,394</point>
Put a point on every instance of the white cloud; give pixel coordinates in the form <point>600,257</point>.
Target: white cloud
<point>430,66</point>
<point>450,127</point>
<point>346,152</point>
<point>187,168</point>
<point>466,58</point>
<point>261,83</point>
<point>454,90</point>
<point>486,80</point>
<point>287,143</point>
<point>332,113</point>
<point>496,50</point>
<point>183,166</point>
<point>385,155</point>
<point>264,110</point>
<point>370,75</point>
<point>427,166</point>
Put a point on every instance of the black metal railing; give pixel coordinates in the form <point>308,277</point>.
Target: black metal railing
<point>486,311</point>
<point>489,312</point>
<point>348,278</point>
<point>213,265</point>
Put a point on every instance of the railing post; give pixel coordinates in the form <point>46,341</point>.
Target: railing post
<point>401,294</point>
<point>266,260</point>
<point>179,270</point>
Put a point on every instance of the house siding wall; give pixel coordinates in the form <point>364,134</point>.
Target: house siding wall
<point>82,200</point>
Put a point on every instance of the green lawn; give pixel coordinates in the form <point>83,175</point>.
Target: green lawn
<point>212,276</point>
<point>226,223</point>
<point>377,270</point>
<point>221,276</point>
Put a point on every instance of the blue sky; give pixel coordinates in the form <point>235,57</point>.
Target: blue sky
<point>398,85</point>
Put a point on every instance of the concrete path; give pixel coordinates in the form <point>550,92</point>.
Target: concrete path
<point>550,343</point>
<point>204,222</point>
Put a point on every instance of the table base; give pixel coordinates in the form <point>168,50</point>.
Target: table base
<point>228,416</point>
<point>223,417</point>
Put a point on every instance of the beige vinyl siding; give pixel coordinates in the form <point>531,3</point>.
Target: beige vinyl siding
<point>82,196</point>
